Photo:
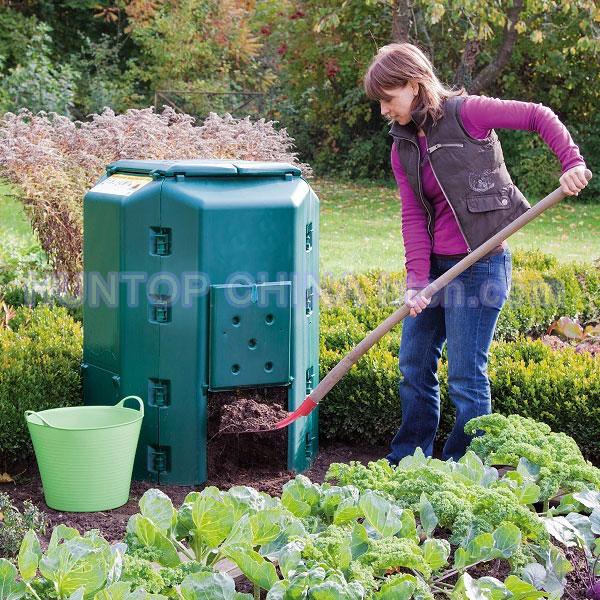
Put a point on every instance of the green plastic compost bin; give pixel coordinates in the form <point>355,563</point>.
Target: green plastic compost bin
<point>200,275</point>
<point>85,454</point>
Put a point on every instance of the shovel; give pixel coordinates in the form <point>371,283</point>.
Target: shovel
<point>313,399</point>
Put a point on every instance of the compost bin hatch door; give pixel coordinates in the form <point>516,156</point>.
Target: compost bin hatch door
<point>249,335</point>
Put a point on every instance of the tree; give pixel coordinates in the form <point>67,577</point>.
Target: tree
<point>534,50</point>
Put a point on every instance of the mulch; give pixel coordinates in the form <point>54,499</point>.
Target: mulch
<point>223,473</point>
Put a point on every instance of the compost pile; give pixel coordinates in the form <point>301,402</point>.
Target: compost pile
<point>248,415</point>
<point>238,431</point>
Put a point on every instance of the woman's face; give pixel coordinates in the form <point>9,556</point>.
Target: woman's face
<point>399,107</point>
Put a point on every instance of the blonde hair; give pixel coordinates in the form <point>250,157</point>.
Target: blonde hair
<point>397,64</point>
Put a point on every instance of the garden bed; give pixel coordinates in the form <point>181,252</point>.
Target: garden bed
<point>232,417</point>
<point>269,479</point>
<point>371,529</point>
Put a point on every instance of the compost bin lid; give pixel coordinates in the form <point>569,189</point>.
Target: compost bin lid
<point>203,167</point>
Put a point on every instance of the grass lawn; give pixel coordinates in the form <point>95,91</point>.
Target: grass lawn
<point>361,228</point>
<point>14,225</point>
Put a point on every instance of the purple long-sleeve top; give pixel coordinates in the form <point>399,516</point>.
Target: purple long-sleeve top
<point>479,115</point>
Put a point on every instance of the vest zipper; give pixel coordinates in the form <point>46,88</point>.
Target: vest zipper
<point>450,204</point>
<point>429,218</point>
<point>436,146</point>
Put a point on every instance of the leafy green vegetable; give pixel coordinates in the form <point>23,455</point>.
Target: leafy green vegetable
<point>464,507</point>
<point>258,570</point>
<point>10,588</point>
<point>138,572</point>
<point>550,575</point>
<point>507,440</point>
<point>490,588</point>
<point>436,553</point>
<point>213,519</point>
<point>427,515</point>
<point>29,555</point>
<point>77,561</point>
<point>216,586</point>
<point>151,536</point>
<point>402,588</point>
<point>157,506</point>
<point>300,496</point>
<point>382,515</point>
<point>393,552</point>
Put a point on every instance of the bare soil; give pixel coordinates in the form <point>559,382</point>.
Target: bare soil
<point>112,523</point>
<point>578,578</point>
<point>27,485</point>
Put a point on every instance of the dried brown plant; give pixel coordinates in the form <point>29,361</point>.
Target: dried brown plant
<point>52,161</point>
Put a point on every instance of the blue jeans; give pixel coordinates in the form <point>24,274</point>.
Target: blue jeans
<point>464,314</point>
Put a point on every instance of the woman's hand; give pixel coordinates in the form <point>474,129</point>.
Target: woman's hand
<point>573,180</point>
<point>418,304</point>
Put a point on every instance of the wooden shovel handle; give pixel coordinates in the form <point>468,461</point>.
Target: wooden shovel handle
<point>374,336</point>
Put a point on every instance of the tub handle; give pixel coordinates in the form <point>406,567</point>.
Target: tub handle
<point>42,419</point>
<point>121,404</point>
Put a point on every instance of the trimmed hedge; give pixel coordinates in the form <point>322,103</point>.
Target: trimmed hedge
<point>17,296</point>
<point>542,290</point>
<point>561,388</point>
<point>558,387</point>
<point>40,356</point>
<point>41,352</point>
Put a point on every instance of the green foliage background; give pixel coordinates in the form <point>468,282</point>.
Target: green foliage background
<point>309,57</point>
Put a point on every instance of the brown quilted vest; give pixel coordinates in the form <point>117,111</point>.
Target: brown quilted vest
<point>471,173</point>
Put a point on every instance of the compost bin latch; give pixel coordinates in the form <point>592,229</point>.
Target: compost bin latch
<point>309,300</point>
<point>160,241</point>
<point>309,380</point>
<point>157,174</point>
<point>158,459</point>
<point>309,236</point>
<point>159,311</point>
<point>158,393</point>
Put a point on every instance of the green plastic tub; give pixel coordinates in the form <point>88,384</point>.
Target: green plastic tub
<point>85,454</point>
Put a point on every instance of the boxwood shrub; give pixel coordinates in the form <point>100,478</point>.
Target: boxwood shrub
<point>559,387</point>
<point>542,290</point>
<point>40,355</point>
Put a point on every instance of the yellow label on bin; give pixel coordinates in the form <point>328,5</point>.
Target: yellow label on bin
<point>121,184</point>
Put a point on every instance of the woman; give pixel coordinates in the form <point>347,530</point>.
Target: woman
<point>455,193</point>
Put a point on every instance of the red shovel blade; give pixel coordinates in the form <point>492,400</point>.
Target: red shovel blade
<point>302,411</point>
